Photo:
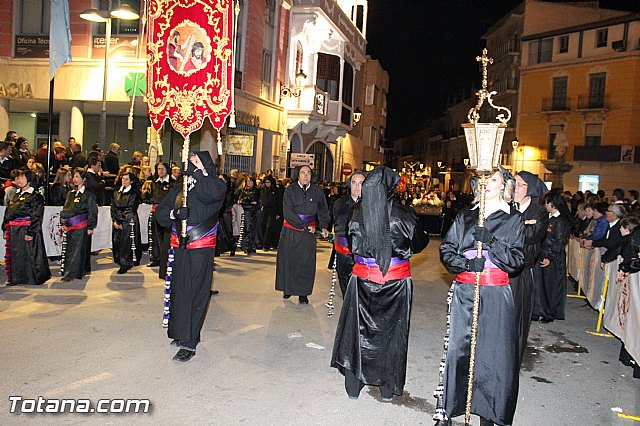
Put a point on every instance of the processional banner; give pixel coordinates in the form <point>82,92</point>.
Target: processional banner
<point>189,60</point>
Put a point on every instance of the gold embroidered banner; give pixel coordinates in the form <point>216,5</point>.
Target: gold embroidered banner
<point>189,75</point>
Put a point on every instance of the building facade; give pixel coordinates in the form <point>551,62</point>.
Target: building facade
<point>579,94</point>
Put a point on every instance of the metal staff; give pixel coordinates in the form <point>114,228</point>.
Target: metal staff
<point>185,188</point>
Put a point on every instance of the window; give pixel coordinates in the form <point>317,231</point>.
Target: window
<point>559,101</point>
<point>563,44</point>
<point>597,84</point>
<point>592,134</point>
<point>328,74</point>
<point>601,37</point>
<point>553,131</point>
<point>240,35</point>
<point>540,51</point>
<point>119,26</point>
<point>267,48</point>
<point>34,16</point>
<point>347,93</point>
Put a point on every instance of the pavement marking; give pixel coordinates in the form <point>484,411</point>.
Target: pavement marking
<point>77,385</point>
<point>246,329</point>
<point>315,346</point>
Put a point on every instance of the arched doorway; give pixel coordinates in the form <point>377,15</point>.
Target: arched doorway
<point>323,161</point>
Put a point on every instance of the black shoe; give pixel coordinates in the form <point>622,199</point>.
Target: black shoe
<point>386,393</point>
<point>184,355</point>
<point>122,270</point>
<point>65,279</point>
<point>485,422</point>
<point>443,423</point>
<point>214,292</point>
<point>266,249</point>
<point>232,253</point>
<point>535,318</point>
<point>546,320</point>
<point>153,264</point>
<point>286,296</point>
<point>304,300</point>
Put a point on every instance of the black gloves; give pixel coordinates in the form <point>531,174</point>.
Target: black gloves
<point>475,264</point>
<point>482,234</point>
<point>181,213</point>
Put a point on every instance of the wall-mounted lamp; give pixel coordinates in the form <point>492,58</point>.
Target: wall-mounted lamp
<point>288,92</point>
<point>515,143</point>
<point>466,162</point>
<point>357,115</point>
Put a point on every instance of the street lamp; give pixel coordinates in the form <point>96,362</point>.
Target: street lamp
<point>296,91</point>
<point>126,13</point>
<point>357,115</point>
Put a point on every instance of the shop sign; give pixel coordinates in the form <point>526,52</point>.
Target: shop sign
<point>16,90</point>
<point>124,47</point>
<point>31,46</point>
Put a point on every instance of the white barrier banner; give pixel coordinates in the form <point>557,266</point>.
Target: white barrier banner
<point>622,310</point>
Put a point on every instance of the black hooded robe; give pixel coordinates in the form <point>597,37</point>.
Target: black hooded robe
<point>192,269</point>
<point>296,260</point>
<point>550,303</point>
<point>27,260</point>
<point>372,336</point>
<point>76,246</point>
<point>126,243</point>
<point>526,283</point>
<point>249,199</point>
<point>495,384</point>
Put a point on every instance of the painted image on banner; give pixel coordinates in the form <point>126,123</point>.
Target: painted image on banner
<point>189,48</point>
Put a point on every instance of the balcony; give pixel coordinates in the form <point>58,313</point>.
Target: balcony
<point>556,104</point>
<point>604,153</point>
<point>589,102</point>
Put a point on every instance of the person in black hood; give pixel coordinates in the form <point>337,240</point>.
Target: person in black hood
<point>271,201</point>
<point>372,335</point>
<point>191,257</point>
<point>225,241</point>
<point>249,198</point>
<point>525,285</point>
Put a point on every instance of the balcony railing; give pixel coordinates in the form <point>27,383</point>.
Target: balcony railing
<point>605,153</point>
<point>556,104</point>
<point>593,102</point>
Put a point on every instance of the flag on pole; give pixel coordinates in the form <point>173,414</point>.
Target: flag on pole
<point>59,36</point>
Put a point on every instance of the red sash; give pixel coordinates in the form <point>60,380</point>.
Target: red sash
<point>290,226</point>
<point>340,244</point>
<point>492,277</point>
<point>373,273</point>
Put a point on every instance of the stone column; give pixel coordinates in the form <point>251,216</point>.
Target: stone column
<point>4,116</point>
<point>77,125</point>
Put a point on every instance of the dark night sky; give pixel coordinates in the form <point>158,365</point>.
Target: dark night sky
<point>429,49</point>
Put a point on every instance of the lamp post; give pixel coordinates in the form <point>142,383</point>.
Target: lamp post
<point>484,141</point>
<point>126,13</point>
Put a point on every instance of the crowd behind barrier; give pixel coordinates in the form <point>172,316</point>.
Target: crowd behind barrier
<point>620,302</point>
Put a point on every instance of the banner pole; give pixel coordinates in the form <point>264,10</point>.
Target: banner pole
<point>579,294</point>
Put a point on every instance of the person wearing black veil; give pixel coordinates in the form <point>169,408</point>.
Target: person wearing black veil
<point>528,193</point>
<point>340,215</point>
<point>495,384</point>
<point>191,258</point>
<point>372,335</point>
<point>304,210</point>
